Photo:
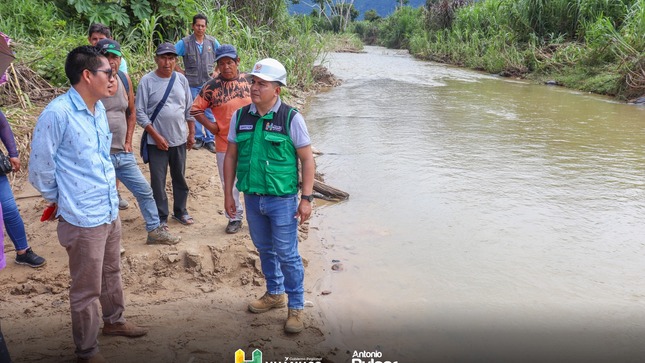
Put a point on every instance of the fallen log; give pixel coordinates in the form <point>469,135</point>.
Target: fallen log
<point>322,190</point>
<point>327,192</point>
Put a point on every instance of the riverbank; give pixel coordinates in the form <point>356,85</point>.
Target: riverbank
<point>191,296</point>
<point>588,46</point>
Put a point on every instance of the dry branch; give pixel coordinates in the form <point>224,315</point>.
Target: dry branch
<point>327,192</point>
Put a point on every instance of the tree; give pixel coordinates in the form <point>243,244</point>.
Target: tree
<point>371,15</point>
<point>339,13</point>
<point>257,12</point>
<point>402,3</point>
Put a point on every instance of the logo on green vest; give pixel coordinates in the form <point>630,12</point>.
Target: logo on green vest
<point>272,127</point>
<point>257,356</point>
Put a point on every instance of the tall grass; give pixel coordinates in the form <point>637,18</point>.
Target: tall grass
<point>30,19</point>
<point>44,37</point>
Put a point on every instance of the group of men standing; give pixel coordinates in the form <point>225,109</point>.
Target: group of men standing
<point>82,144</point>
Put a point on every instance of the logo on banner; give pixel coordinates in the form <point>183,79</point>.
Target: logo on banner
<point>240,358</point>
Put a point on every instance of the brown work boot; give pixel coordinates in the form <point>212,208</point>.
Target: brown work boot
<point>268,302</point>
<point>97,358</point>
<point>126,329</point>
<point>294,322</point>
<point>160,236</point>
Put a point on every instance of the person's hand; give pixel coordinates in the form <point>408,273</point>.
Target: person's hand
<point>304,211</point>
<point>127,146</point>
<point>15,164</point>
<point>190,141</point>
<point>49,214</point>
<point>229,206</point>
<point>162,143</point>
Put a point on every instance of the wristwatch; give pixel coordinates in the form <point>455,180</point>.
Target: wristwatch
<point>309,198</point>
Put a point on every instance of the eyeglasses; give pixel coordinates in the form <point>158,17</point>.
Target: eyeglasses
<point>106,71</point>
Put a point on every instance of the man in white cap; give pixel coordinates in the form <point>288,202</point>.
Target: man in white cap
<point>266,140</point>
<point>223,95</point>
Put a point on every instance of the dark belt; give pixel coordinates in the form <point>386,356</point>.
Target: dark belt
<point>270,195</point>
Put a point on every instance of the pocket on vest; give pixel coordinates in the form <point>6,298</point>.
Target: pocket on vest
<point>280,179</point>
<point>278,148</point>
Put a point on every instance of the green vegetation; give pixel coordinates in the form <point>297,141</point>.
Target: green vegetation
<point>44,31</point>
<point>592,45</point>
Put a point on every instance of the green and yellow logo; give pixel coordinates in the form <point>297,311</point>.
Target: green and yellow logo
<point>257,356</point>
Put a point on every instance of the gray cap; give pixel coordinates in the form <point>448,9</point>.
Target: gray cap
<point>166,48</point>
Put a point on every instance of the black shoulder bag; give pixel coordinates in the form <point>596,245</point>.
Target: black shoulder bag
<point>143,149</point>
<point>5,164</point>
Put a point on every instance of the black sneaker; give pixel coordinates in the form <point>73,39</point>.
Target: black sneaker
<point>198,144</point>
<point>30,258</point>
<point>233,227</point>
<point>210,146</point>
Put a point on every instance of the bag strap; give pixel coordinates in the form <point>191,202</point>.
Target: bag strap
<point>126,85</point>
<point>164,98</point>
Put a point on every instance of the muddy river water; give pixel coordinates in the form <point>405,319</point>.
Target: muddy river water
<point>490,219</point>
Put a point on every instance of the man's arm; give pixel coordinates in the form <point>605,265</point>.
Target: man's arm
<point>210,126</point>
<point>306,157</point>
<point>44,145</point>
<point>160,141</point>
<point>190,140</point>
<point>200,104</point>
<point>230,167</point>
<point>130,117</point>
<point>142,118</point>
<point>9,142</point>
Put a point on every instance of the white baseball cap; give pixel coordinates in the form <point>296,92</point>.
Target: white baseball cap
<point>270,69</point>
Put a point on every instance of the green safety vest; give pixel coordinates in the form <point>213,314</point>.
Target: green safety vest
<point>267,162</point>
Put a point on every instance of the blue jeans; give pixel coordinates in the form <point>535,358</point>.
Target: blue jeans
<point>128,172</point>
<point>274,232</point>
<point>201,133</point>
<point>13,223</point>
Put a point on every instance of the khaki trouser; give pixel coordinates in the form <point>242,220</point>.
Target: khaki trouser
<point>94,265</point>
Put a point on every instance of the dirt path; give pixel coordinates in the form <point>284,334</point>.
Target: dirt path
<point>191,296</point>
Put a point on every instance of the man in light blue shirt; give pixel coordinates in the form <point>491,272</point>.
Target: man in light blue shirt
<point>70,166</point>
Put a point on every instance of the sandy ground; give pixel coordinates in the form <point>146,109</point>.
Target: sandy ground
<point>191,296</point>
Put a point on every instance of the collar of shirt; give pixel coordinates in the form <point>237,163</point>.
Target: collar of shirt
<point>276,106</point>
<point>80,104</point>
<point>200,46</point>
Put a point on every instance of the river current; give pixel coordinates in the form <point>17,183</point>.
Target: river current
<point>490,218</point>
